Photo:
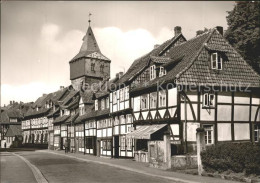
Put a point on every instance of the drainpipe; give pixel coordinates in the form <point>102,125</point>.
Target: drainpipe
<point>185,104</point>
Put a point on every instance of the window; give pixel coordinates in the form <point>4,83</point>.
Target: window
<point>114,98</point>
<point>107,102</point>
<point>102,68</point>
<point>153,100</point>
<point>209,135</point>
<point>104,145</point>
<point>129,144</point>
<point>162,98</point>
<point>109,145</point>
<point>116,121</point>
<point>216,61</point>
<point>102,104</point>
<point>109,122</point>
<point>121,94</point>
<point>144,101</point>
<point>152,72</point>
<point>257,133</point>
<point>92,66</point>
<point>162,72</point>
<point>122,119</point>
<point>96,105</point>
<point>128,118</point>
<point>126,93</point>
<point>208,100</point>
<point>122,143</point>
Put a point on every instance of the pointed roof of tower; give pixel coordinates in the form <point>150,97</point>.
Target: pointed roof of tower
<point>89,47</point>
<point>89,42</point>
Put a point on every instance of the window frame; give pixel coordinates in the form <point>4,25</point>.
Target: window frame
<point>146,97</point>
<point>153,95</point>
<point>152,72</point>
<point>206,101</point>
<point>207,134</point>
<point>162,72</point>
<point>161,97</point>
<point>215,62</point>
<point>96,104</point>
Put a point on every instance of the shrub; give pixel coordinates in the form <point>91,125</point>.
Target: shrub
<point>236,157</point>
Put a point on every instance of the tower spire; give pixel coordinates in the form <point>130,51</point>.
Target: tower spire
<point>89,19</point>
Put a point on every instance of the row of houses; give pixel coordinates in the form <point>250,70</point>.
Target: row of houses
<point>10,123</point>
<point>168,93</point>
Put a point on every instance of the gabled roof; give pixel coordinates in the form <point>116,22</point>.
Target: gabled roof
<point>67,99</point>
<point>10,113</point>
<point>61,119</point>
<point>14,130</point>
<point>72,118</point>
<point>89,47</point>
<point>87,96</point>
<point>55,112</point>
<point>193,66</point>
<point>141,63</point>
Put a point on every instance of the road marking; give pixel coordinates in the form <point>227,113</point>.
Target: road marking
<point>126,168</point>
<point>36,172</point>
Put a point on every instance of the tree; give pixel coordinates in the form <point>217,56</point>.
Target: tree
<point>243,31</point>
<point>201,31</point>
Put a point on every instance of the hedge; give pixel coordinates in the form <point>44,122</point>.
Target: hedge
<point>236,157</point>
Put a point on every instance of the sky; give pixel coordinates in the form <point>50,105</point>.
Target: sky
<point>39,38</point>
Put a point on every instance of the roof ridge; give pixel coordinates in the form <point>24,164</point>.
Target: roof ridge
<point>210,32</point>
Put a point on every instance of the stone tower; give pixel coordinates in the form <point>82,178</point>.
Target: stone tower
<point>89,65</point>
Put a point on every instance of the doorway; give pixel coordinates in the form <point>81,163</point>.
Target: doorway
<point>116,146</point>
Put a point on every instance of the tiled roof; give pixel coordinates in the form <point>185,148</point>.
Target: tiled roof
<point>235,72</point>
<point>61,119</point>
<point>53,112</point>
<point>160,60</point>
<point>4,117</point>
<point>72,118</point>
<point>87,96</point>
<point>15,113</point>
<point>71,94</point>
<point>32,112</point>
<point>140,63</point>
<point>14,130</point>
<point>74,103</point>
<point>88,46</point>
<point>101,94</point>
<point>88,115</point>
<point>39,102</point>
<point>193,65</point>
<point>102,112</point>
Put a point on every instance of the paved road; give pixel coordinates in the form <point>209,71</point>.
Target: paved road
<point>57,169</point>
<point>14,170</point>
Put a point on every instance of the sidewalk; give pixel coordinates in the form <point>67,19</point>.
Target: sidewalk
<point>138,167</point>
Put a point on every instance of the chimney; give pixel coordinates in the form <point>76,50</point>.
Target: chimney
<point>117,75</point>
<point>120,74</point>
<point>44,95</point>
<point>220,30</point>
<point>11,102</point>
<point>177,30</point>
<point>156,46</point>
<point>61,87</point>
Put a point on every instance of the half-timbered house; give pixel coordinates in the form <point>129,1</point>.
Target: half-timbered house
<point>202,82</point>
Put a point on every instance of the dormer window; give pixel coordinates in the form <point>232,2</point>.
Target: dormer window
<point>102,68</point>
<point>152,72</point>
<point>92,66</point>
<point>208,100</point>
<point>162,72</point>
<point>216,61</point>
<point>96,105</point>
